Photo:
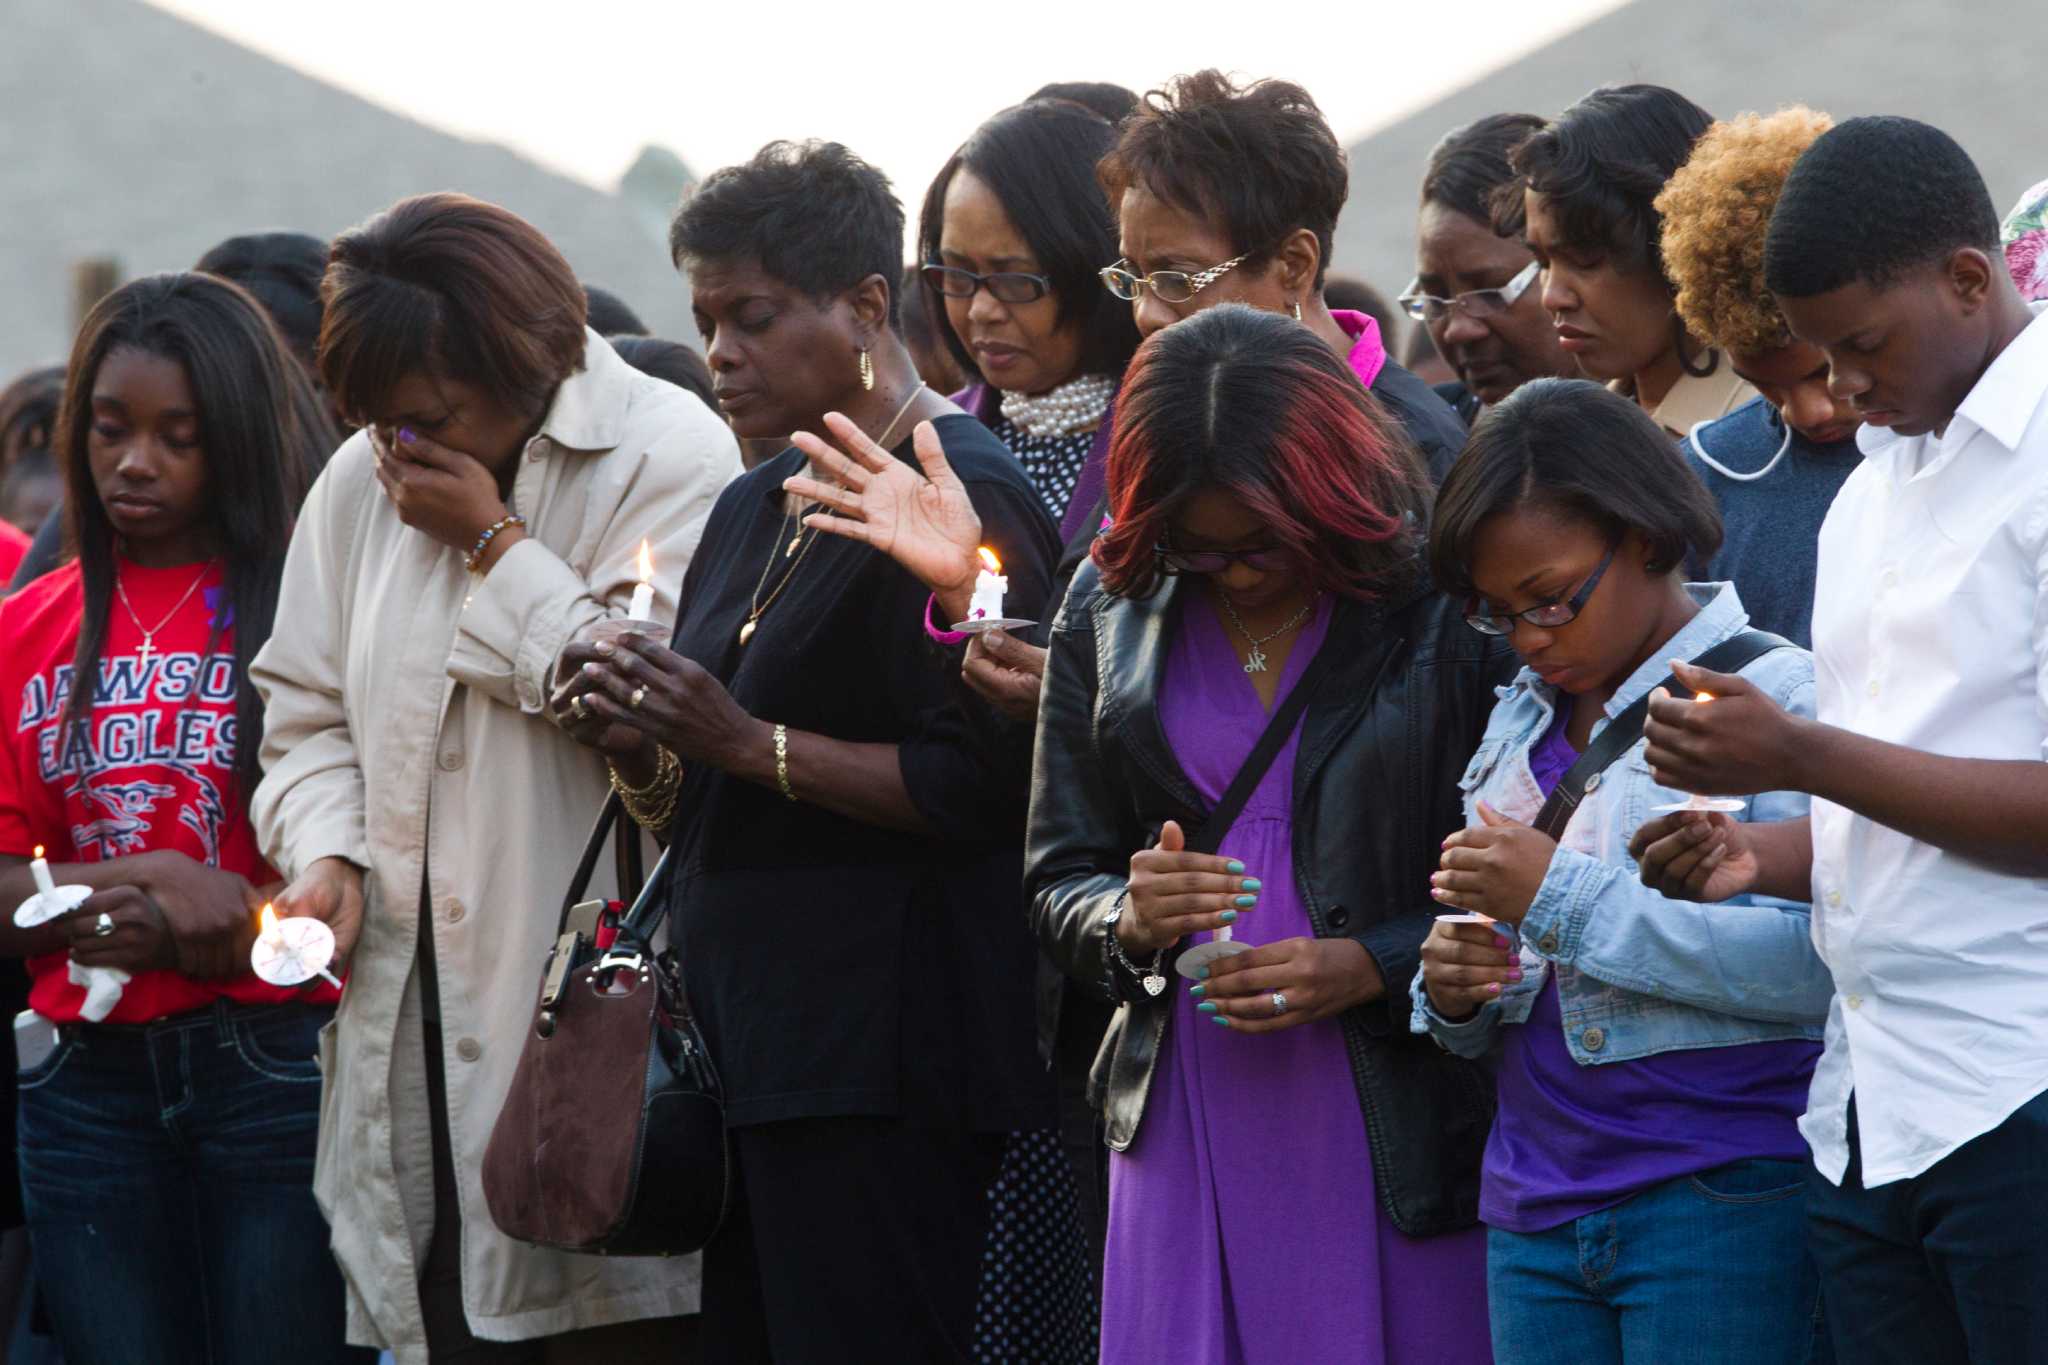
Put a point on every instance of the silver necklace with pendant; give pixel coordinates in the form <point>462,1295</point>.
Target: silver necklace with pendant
<point>1255,662</point>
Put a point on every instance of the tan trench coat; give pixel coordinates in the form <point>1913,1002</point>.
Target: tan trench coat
<point>405,732</point>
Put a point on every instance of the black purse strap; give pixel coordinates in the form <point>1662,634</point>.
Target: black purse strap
<point>1231,804</point>
<point>1732,655</point>
<point>625,852</point>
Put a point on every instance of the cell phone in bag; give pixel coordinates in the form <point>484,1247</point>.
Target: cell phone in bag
<point>35,1038</point>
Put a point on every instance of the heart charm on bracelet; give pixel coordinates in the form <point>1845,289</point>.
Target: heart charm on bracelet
<point>1153,983</point>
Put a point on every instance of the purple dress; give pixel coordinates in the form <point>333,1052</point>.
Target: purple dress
<point>1244,1224</point>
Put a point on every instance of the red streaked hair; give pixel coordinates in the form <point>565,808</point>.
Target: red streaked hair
<point>1255,405</point>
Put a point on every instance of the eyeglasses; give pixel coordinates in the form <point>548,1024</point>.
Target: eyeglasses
<point>1476,303</point>
<point>1549,616</point>
<point>1168,286</point>
<point>1258,558</point>
<point>1008,286</point>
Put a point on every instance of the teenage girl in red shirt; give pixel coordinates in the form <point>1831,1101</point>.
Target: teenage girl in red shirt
<point>167,1149</point>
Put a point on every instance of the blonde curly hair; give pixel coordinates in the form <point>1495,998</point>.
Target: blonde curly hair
<point>1716,211</point>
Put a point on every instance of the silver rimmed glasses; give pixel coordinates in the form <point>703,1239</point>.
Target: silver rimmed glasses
<point>1475,303</point>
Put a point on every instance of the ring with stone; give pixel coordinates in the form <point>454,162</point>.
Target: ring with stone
<point>581,707</point>
<point>639,695</point>
<point>1279,1004</point>
<point>103,926</point>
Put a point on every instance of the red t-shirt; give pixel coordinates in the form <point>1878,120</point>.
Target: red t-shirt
<point>13,546</point>
<point>161,771</point>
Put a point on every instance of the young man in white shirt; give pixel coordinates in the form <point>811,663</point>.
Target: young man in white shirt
<point>1926,856</point>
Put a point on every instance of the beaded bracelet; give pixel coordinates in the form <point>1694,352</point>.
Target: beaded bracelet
<point>476,551</point>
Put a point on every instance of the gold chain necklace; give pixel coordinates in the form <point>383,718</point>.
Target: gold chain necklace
<point>148,649</point>
<point>1255,662</point>
<point>756,607</point>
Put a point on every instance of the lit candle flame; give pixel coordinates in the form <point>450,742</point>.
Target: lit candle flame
<point>646,564</point>
<point>1704,696</point>
<point>268,919</point>
<point>988,557</point>
<point>39,850</point>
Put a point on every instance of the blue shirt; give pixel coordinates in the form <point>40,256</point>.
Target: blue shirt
<point>1770,525</point>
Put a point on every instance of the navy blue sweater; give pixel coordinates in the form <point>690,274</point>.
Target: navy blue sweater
<point>1771,525</point>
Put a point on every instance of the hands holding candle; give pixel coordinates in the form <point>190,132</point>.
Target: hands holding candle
<point>1740,744</point>
<point>1493,869</point>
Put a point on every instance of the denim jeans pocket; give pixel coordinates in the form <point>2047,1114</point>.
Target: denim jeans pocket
<point>283,1048</point>
<point>42,1072</point>
<point>1756,1181</point>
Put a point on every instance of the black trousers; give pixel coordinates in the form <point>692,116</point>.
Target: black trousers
<point>850,1239</point>
<point>1946,1266</point>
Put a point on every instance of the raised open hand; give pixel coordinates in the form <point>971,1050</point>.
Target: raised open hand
<point>923,521</point>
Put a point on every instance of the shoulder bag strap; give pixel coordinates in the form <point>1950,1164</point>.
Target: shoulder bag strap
<point>1285,716</point>
<point>579,881</point>
<point>1732,655</point>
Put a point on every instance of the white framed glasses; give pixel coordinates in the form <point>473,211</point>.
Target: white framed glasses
<point>1476,303</point>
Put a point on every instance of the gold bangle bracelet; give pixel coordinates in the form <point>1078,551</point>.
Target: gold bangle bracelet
<point>653,806</point>
<point>782,762</point>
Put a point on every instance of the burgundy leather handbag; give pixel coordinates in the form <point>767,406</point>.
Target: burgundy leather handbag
<point>612,1139</point>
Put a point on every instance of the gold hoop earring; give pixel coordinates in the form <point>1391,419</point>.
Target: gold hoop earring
<point>867,370</point>
<point>1294,307</point>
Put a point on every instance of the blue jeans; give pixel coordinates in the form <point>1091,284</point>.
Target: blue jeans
<point>167,1173</point>
<point>1709,1269</point>
<point>1945,1267</point>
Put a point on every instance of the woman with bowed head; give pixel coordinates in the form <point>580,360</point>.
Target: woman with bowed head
<point>1294,1175</point>
<point>417,792</point>
<point>1230,194</point>
<point>1472,290</point>
<point>1590,180</point>
<point>845,851</point>
<point>167,1131</point>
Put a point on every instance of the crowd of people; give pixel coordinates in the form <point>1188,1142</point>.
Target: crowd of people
<point>1598,790</point>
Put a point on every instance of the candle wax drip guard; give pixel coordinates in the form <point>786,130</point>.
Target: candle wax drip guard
<point>45,906</point>
<point>988,623</point>
<point>1190,963</point>
<point>294,952</point>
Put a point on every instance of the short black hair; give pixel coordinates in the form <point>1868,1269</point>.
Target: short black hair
<point>1467,169</point>
<point>1039,160</point>
<point>1602,162</point>
<point>1260,159</point>
<point>1589,454</point>
<point>1871,199</point>
<point>1350,292</point>
<point>814,215</point>
<point>608,316</point>
<point>281,271</point>
<point>1114,102</point>
<point>670,360</point>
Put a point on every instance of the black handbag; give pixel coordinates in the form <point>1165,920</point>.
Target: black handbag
<point>612,1138</point>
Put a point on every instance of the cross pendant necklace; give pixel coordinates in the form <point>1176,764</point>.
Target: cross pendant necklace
<point>149,650</point>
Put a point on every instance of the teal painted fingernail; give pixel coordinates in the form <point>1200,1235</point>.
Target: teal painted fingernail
<point>1236,868</point>
<point>1229,916</point>
<point>1202,972</point>
<point>1196,990</point>
<point>1207,1007</point>
<point>1219,1019</point>
<point>1247,901</point>
<point>1251,883</point>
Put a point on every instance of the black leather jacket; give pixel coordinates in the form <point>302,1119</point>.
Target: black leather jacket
<point>1383,744</point>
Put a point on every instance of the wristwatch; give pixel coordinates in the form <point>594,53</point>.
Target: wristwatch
<point>1149,977</point>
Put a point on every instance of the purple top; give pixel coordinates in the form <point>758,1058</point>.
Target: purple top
<point>1570,1140</point>
<point>1244,1221</point>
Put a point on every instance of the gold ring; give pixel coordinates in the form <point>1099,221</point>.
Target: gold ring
<point>639,695</point>
<point>581,707</point>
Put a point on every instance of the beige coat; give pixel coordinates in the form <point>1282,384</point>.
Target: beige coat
<point>406,733</point>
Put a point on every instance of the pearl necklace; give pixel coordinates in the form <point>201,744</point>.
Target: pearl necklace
<point>1076,405</point>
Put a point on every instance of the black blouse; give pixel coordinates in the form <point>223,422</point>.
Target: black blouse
<point>838,967</point>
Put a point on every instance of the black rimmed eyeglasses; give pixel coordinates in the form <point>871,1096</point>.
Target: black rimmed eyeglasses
<point>1548,616</point>
<point>1006,286</point>
<point>1258,558</point>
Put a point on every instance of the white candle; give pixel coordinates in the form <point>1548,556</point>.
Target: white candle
<point>642,606</point>
<point>989,587</point>
<point>40,870</point>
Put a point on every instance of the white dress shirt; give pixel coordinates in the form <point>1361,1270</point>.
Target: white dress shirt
<point>1930,630</point>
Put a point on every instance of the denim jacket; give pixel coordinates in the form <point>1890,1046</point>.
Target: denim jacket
<point>1637,973</point>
